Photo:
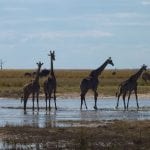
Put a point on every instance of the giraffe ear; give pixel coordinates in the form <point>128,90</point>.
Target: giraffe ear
<point>40,63</point>
<point>144,65</point>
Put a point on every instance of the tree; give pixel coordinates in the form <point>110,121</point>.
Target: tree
<point>1,64</point>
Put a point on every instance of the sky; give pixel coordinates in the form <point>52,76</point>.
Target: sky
<point>83,33</point>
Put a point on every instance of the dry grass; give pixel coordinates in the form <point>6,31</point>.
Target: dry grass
<point>115,135</point>
<point>12,81</point>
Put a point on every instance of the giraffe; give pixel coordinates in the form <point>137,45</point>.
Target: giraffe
<point>146,76</point>
<point>128,86</point>
<point>32,88</point>
<point>91,82</point>
<point>50,84</point>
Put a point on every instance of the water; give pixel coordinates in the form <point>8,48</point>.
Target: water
<point>12,113</point>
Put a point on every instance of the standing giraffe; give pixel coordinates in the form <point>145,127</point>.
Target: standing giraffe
<point>129,86</point>
<point>91,82</point>
<point>146,76</point>
<point>50,84</point>
<point>32,88</point>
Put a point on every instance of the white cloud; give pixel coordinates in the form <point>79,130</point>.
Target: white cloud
<point>7,34</point>
<point>145,2</point>
<point>104,19</point>
<point>126,15</point>
<point>90,17</point>
<point>67,34</point>
<point>15,9</point>
<point>4,46</point>
<point>16,38</point>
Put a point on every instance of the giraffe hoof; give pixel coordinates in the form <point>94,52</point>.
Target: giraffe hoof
<point>116,107</point>
<point>95,107</point>
<point>25,112</point>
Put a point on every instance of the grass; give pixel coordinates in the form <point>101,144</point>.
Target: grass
<point>68,81</point>
<point>115,135</point>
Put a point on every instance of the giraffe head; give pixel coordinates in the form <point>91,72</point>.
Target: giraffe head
<point>144,67</point>
<point>109,61</point>
<point>39,64</point>
<point>52,55</point>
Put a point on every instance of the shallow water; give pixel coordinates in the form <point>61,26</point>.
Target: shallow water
<point>12,113</point>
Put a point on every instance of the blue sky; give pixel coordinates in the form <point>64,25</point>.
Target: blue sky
<point>84,33</point>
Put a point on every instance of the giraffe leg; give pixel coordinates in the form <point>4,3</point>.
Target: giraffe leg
<point>128,99</point>
<point>46,100</point>
<point>33,97</point>
<point>124,96</point>
<point>85,102</point>
<point>25,102</point>
<point>83,93</point>
<point>49,98</point>
<point>95,98</point>
<point>55,99</point>
<point>37,98</point>
<point>118,100</point>
<point>136,98</point>
<point>81,101</point>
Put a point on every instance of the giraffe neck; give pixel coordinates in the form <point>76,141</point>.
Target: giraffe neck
<point>98,71</point>
<point>37,75</point>
<point>52,70</point>
<point>137,75</point>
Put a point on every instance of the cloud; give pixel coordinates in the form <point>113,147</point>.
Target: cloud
<point>6,46</point>
<point>145,3</point>
<point>90,17</point>
<point>67,34</point>
<point>99,19</point>
<point>126,15</point>
<point>15,9</point>
<point>16,37</point>
<point>7,35</point>
<point>62,34</point>
<point>116,17</point>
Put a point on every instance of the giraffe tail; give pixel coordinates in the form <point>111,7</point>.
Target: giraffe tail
<point>116,94</point>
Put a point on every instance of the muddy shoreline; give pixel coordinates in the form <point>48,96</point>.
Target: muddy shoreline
<point>77,96</point>
<point>114,135</point>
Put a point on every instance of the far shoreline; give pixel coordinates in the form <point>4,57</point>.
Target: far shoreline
<point>77,96</point>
